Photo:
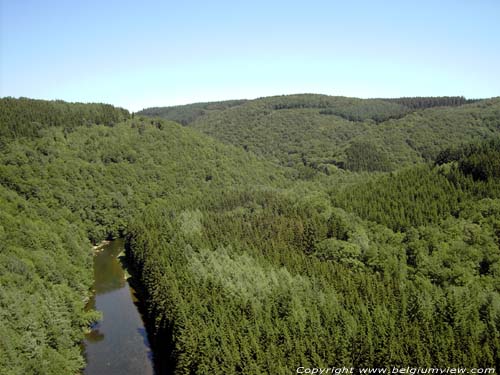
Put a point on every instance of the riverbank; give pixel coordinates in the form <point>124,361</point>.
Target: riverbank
<point>117,343</point>
<point>160,335</point>
<point>100,246</point>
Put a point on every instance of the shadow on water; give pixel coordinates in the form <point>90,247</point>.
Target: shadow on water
<point>94,336</point>
<point>159,337</point>
<point>117,344</point>
<point>144,335</point>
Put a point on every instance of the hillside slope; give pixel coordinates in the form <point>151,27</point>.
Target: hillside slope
<point>260,282</point>
<point>186,114</point>
<point>324,133</point>
<point>295,135</point>
<point>68,182</point>
<point>244,269</point>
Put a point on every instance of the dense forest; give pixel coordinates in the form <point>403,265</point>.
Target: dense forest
<point>327,133</point>
<point>253,282</point>
<point>67,186</point>
<point>27,117</point>
<point>289,231</point>
<point>186,114</point>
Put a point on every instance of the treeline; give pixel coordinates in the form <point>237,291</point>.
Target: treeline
<point>186,114</point>
<point>297,134</point>
<point>352,109</point>
<point>28,117</point>
<point>422,102</point>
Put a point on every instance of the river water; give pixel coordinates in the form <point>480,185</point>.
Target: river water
<point>118,344</point>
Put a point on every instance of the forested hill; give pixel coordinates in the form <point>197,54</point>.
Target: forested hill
<point>74,173</point>
<point>27,117</point>
<point>296,133</point>
<point>407,271</point>
<point>421,102</point>
<point>246,266</point>
<point>186,114</point>
<point>351,108</point>
<point>325,133</point>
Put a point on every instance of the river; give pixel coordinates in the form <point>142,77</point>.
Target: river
<point>117,344</point>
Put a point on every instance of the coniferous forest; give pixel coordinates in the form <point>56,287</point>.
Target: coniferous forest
<point>267,234</point>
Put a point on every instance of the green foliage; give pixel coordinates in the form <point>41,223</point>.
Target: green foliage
<point>278,279</point>
<point>317,133</point>
<point>405,199</point>
<point>186,114</point>
<point>247,267</point>
<point>365,156</point>
<point>429,102</point>
<point>45,273</point>
<point>59,189</point>
<point>352,109</point>
<point>479,160</point>
<point>28,117</point>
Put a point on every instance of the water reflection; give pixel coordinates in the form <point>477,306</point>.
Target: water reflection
<point>118,344</point>
<point>94,336</point>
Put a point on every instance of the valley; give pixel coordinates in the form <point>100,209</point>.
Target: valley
<point>301,230</point>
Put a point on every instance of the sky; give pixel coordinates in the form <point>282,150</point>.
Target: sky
<point>138,54</point>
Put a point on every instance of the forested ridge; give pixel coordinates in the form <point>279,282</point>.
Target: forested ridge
<point>350,108</point>
<point>325,133</point>
<point>309,231</point>
<point>186,114</point>
<point>67,186</point>
<point>258,283</point>
<point>26,117</point>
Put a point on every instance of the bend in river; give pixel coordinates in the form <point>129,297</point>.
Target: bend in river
<point>117,344</point>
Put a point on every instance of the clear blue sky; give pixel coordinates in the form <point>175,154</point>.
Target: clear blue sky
<point>137,54</point>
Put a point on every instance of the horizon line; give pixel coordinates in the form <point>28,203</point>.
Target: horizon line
<point>184,103</point>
